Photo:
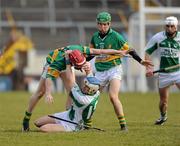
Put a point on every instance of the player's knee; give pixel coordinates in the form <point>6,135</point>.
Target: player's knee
<point>40,93</point>
<point>113,97</point>
<point>164,104</point>
<point>114,100</point>
<point>37,123</point>
<point>164,100</point>
<point>44,128</point>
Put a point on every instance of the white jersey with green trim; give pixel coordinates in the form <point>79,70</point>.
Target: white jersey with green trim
<point>83,105</point>
<point>168,49</point>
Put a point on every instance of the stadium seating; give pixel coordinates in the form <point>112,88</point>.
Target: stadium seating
<point>48,14</point>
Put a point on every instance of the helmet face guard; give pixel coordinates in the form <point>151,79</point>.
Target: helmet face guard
<point>93,84</point>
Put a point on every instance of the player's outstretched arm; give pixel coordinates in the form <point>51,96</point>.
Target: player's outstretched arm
<point>108,52</point>
<point>149,69</point>
<point>136,57</point>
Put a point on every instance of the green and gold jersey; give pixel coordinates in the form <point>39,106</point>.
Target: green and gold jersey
<point>56,59</point>
<point>168,49</point>
<point>113,40</point>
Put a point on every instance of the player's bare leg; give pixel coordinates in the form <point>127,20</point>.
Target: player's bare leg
<point>114,88</point>
<point>163,104</point>
<point>44,120</point>
<point>52,128</point>
<point>37,95</point>
<point>47,124</point>
<point>32,103</point>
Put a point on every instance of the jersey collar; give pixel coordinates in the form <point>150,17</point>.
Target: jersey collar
<point>105,35</point>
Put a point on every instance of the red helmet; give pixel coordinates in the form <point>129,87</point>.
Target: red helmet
<point>77,59</point>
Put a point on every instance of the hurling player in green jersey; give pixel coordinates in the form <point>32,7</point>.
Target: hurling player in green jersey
<point>108,67</point>
<point>54,67</point>
<point>167,44</point>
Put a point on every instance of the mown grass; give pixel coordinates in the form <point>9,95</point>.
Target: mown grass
<point>141,110</point>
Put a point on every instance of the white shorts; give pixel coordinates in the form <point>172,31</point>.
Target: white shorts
<point>45,69</point>
<point>106,76</point>
<point>167,79</point>
<point>67,126</point>
<point>92,62</point>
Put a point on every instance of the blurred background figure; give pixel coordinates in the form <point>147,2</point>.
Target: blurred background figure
<point>13,58</point>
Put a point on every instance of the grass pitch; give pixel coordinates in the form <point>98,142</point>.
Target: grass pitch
<point>141,111</point>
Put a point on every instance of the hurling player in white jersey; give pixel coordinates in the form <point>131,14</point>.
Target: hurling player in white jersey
<point>81,110</point>
<point>167,43</point>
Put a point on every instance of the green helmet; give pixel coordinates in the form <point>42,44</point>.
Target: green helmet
<point>103,17</point>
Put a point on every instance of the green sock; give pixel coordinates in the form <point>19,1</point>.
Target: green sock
<point>27,116</point>
<point>88,122</point>
<point>122,121</point>
<point>163,114</point>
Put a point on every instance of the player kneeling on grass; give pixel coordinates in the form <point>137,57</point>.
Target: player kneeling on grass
<point>83,106</point>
